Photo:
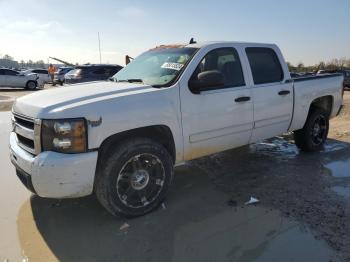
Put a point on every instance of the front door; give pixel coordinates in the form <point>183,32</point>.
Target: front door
<point>218,117</point>
<point>13,79</point>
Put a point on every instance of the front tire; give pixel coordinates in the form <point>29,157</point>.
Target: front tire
<point>134,177</point>
<point>313,135</point>
<point>31,85</point>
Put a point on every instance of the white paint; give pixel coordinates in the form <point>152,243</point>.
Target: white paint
<point>201,124</point>
<point>57,175</point>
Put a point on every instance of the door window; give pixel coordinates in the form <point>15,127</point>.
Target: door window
<point>39,71</point>
<point>265,65</point>
<point>225,61</point>
<point>10,72</point>
<point>99,71</point>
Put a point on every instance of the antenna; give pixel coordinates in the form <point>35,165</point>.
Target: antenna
<point>192,41</point>
<point>99,45</point>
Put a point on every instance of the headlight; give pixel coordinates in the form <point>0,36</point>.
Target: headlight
<point>64,135</point>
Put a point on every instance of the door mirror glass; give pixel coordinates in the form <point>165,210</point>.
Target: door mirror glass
<point>206,80</point>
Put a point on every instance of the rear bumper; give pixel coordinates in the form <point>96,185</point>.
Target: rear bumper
<point>54,175</point>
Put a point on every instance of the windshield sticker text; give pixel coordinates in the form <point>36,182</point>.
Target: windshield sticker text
<point>174,66</point>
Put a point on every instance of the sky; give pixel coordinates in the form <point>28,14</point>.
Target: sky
<point>306,31</point>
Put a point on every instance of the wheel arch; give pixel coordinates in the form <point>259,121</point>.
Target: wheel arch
<point>34,81</point>
<point>159,133</point>
<point>325,103</point>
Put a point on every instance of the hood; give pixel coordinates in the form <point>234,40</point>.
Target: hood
<point>41,103</point>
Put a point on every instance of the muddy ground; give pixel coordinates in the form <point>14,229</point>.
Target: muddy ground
<point>303,213</point>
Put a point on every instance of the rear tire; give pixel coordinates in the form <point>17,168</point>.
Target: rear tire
<point>313,135</point>
<point>134,177</point>
<point>31,85</point>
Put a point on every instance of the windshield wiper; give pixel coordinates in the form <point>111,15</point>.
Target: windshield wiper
<point>131,80</point>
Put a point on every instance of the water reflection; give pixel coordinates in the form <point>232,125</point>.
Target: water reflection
<point>339,168</point>
<point>196,225</point>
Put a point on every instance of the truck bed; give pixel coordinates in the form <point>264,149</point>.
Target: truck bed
<point>307,89</point>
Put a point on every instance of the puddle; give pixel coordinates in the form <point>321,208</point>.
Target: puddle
<point>342,191</point>
<point>211,233</point>
<point>333,145</point>
<point>339,168</point>
<point>246,236</point>
<point>278,146</point>
<point>281,147</point>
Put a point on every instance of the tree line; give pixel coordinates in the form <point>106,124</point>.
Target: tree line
<point>8,61</point>
<point>334,65</point>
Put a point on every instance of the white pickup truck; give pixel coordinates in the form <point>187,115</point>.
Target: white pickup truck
<point>120,139</point>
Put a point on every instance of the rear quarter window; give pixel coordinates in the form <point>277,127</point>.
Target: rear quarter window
<point>265,65</point>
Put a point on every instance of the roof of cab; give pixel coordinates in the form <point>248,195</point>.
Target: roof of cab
<point>208,43</point>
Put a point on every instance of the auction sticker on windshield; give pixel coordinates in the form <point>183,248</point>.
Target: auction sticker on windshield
<point>174,66</point>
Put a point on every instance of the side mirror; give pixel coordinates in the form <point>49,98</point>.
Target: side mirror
<point>206,81</point>
<point>128,59</point>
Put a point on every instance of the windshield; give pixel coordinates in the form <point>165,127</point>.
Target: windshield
<point>74,71</point>
<point>156,67</point>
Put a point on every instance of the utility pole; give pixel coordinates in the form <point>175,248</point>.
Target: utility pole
<point>99,45</point>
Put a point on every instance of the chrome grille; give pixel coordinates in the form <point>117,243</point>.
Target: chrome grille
<point>28,133</point>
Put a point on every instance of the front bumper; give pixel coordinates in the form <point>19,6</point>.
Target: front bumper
<point>54,175</point>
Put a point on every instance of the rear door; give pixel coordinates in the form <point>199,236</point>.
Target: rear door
<point>219,117</point>
<point>3,80</point>
<point>272,93</point>
<point>99,73</point>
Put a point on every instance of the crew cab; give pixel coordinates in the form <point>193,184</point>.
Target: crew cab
<point>120,139</point>
<point>13,78</point>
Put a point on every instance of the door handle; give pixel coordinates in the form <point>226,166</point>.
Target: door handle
<point>242,99</point>
<point>284,92</point>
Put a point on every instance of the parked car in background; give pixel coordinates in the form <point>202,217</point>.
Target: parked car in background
<point>59,75</point>
<point>295,75</point>
<point>42,74</point>
<point>13,78</point>
<point>88,73</point>
<point>347,79</point>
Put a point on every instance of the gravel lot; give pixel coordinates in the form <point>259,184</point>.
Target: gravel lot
<point>303,213</point>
